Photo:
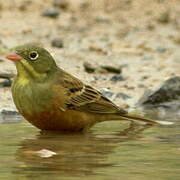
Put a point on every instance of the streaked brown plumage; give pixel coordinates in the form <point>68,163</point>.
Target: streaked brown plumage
<point>51,99</point>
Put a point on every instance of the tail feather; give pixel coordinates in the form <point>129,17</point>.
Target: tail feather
<point>136,117</point>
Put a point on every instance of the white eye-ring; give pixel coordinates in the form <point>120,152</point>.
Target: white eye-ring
<point>33,55</point>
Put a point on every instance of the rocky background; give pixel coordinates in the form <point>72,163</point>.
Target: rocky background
<point>128,49</point>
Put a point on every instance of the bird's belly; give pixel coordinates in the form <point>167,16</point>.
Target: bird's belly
<point>41,110</point>
<point>69,120</point>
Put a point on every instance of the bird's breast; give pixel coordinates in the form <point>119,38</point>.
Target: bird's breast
<point>30,97</point>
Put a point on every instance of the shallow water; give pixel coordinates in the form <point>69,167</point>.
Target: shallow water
<point>104,153</point>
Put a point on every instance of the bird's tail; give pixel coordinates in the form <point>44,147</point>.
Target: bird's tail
<point>136,117</point>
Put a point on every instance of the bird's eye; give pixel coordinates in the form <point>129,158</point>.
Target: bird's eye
<point>33,55</point>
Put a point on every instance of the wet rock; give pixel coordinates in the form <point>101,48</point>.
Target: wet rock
<point>117,77</point>
<point>169,92</point>
<point>164,18</point>
<point>63,4</point>
<point>51,12</point>
<point>89,68</point>
<point>57,42</point>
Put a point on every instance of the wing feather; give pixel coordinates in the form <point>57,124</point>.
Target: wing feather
<point>85,98</point>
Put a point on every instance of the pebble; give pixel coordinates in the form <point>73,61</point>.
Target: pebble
<point>51,12</point>
<point>150,27</point>
<point>89,68</point>
<point>57,42</point>
<point>7,77</point>
<point>117,77</point>
<point>112,69</point>
<point>161,49</point>
<point>8,112</point>
<point>107,93</point>
<point>102,20</point>
<point>98,49</point>
<point>63,4</point>
<point>141,86</point>
<point>6,83</point>
<point>24,5</point>
<point>164,18</point>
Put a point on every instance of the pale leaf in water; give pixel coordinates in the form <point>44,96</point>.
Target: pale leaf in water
<point>45,153</point>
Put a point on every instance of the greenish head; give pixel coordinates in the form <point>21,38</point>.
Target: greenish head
<point>32,62</point>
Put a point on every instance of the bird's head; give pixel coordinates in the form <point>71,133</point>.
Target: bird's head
<point>32,62</point>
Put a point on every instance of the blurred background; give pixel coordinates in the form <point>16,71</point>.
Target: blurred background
<point>138,41</point>
<point>130,51</point>
<point>125,46</point>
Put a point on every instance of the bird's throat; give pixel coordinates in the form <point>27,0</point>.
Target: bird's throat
<point>27,73</point>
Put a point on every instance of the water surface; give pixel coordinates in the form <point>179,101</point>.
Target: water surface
<point>104,153</point>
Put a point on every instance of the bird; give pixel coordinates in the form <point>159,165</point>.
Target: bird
<point>54,100</point>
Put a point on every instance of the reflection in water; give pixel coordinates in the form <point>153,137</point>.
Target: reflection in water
<point>101,154</point>
<point>162,113</point>
<point>77,154</point>
<point>10,118</point>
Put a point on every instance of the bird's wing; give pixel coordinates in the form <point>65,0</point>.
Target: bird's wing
<point>85,98</point>
<point>77,96</point>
